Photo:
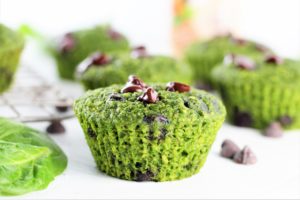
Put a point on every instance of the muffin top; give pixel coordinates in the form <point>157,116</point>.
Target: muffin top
<point>88,40</point>
<point>9,38</point>
<point>270,70</point>
<point>223,45</point>
<point>109,69</point>
<point>137,102</point>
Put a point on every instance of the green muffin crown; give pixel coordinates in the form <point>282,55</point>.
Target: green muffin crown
<point>204,56</point>
<point>11,46</point>
<point>78,45</point>
<point>151,69</point>
<point>147,133</point>
<point>266,92</point>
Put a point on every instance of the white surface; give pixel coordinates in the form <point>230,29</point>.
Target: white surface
<point>276,175</point>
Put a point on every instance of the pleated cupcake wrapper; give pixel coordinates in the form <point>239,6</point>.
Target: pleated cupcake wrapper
<point>132,152</point>
<point>263,101</point>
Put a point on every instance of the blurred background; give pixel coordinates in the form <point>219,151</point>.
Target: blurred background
<point>166,26</point>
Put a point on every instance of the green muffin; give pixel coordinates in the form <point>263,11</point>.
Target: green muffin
<point>11,46</point>
<point>76,46</point>
<point>144,133</point>
<point>258,93</point>
<point>202,57</point>
<point>104,70</point>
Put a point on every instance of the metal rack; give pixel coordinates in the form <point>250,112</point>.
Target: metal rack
<point>33,99</point>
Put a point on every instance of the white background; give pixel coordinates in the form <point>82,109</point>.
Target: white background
<point>277,173</point>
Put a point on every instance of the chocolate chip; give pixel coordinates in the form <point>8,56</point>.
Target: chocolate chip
<point>285,120</point>
<point>159,118</point>
<point>244,62</point>
<point>274,130</point>
<point>186,104</point>
<point>63,105</point>
<point>55,127</point>
<point>134,80</point>
<point>139,52</point>
<point>179,87</point>
<point>96,59</point>
<point>115,97</point>
<point>149,96</point>
<point>148,176</point>
<point>91,132</point>
<point>243,119</point>
<point>163,133</point>
<point>132,88</point>
<point>67,43</point>
<point>229,149</point>
<point>239,41</point>
<point>273,59</point>
<point>114,34</point>
<point>261,48</point>
<point>245,156</point>
<point>100,59</point>
<point>138,164</point>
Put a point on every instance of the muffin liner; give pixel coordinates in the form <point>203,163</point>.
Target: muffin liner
<point>150,142</point>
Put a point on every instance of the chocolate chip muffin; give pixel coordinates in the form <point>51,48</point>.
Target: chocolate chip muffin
<point>76,46</point>
<point>102,70</point>
<point>11,46</point>
<point>257,93</point>
<point>204,56</point>
<point>149,133</point>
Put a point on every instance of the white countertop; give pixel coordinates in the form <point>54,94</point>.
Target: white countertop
<point>276,174</point>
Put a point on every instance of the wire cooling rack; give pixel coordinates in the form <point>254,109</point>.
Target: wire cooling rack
<point>33,99</point>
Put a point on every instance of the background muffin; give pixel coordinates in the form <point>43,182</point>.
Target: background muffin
<point>258,93</point>
<point>204,56</point>
<point>142,133</point>
<point>76,46</point>
<point>103,70</point>
<point>11,46</point>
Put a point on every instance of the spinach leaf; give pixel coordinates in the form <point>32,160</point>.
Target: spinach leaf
<point>29,160</point>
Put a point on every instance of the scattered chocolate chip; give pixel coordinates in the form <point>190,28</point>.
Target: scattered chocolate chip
<point>114,34</point>
<point>179,87</point>
<point>132,79</point>
<point>285,120</point>
<point>243,119</point>
<point>139,52</point>
<point>132,88</point>
<point>63,105</point>
<point>273,59</point>
<point>148,176</point>
<point>55,127</point>
<point>67,43</point>
<point>115,97</point>
<point>186,104</point>
<point>149,96</point>
<point>229,149</point>
<point>245,156</point>
<point>244,62</point>
<point>91,133</point>
<point>274,130</point>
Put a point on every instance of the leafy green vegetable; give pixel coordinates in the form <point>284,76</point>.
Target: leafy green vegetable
<point>29,160</point>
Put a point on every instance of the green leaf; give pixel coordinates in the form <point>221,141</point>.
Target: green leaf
<point>29,160</point>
